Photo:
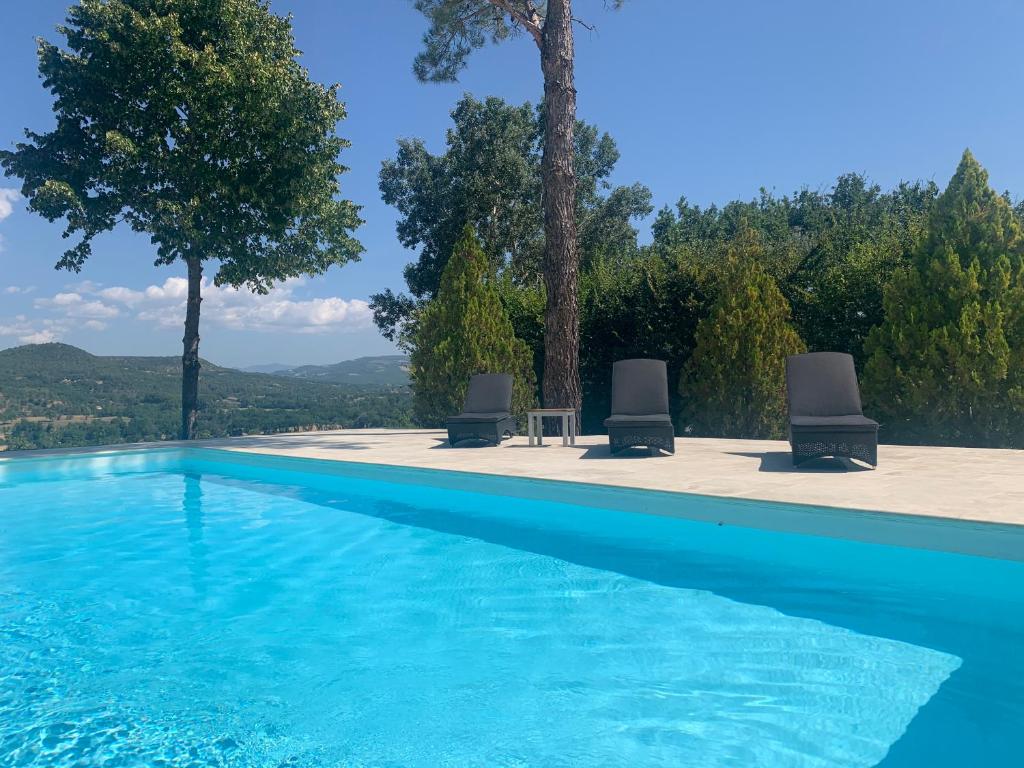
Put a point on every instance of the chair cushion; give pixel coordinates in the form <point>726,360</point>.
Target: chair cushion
<point>639,387</point>
<point>488,393</point>
<point>639,420</point>
<point>478,418</point>
<point>850,423</point>
<point>822,384</point>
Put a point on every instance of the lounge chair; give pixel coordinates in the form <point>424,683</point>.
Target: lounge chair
<point>640,407</point>
<point>825,416</point>
<point>486,415</point>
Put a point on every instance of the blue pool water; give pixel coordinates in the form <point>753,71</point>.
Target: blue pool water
<point>185,609</point>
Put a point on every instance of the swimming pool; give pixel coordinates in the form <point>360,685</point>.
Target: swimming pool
<point>200,608</point>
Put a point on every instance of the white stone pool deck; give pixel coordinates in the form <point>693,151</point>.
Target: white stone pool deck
<point>973,484</point>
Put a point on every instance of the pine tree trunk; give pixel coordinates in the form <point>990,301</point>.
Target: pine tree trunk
<point>190,356</point>
<point>561,259</point>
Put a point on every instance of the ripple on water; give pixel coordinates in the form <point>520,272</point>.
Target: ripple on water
<point>205,623</point>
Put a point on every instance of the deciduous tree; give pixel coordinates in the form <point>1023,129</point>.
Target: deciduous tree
<point>194,122</point>
<point>490,177</point>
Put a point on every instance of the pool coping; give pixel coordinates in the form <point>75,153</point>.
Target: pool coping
<point>1003,541</point>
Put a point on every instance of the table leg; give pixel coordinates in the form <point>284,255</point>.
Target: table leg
<point>565,430</point>
<point>540,429</point>
<point>529,427</point>
<point>572,429</point>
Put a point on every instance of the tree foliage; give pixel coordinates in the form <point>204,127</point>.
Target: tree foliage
<point>463,331</point>
<point>831,252</point>
<point>947,364</point>
<point>191,121</point>
<point>458,27</point>
<point>635,305</point>
<point>734,384</point>
<point>490,177</point>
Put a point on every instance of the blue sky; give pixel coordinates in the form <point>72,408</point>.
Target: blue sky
<point>710,100</point>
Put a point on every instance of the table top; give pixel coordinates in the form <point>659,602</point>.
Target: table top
<point>561,411</point>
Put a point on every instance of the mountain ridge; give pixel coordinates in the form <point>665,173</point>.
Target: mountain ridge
<point>371,370</point>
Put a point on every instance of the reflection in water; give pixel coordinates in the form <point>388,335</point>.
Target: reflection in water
<point>192,506</point>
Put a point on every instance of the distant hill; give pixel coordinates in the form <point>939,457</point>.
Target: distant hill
<point>267,368</point>
<point>56,395</point>
<point>380,371</point>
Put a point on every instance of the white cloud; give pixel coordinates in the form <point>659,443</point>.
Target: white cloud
<point>29,332</point>
<point>83,286</point>
<point>61,300</point>
<point>89,305</point>
<point>173,288</point>
<point>8,197</point>
<point>242,310</point>
<point>16,289</point>
<point>38,337</point>
<point>74,305</point>
<point>16,327</point>
<point>122,295</point>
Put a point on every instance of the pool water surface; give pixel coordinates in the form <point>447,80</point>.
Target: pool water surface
<point>181,608</point>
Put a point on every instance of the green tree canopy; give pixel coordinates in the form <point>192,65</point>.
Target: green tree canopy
<point>947,364</point>
<point>831,252</point>
<point>458,27</point>
<point>734,385</point>
<point>463,331</point>
<point>490,176</point>
<point>191,121</point>
<point>645,305</point>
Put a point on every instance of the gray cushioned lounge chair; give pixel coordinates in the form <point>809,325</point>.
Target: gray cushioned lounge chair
<point>640,407</point>
<point>825,416</point>
<point>486,414</point>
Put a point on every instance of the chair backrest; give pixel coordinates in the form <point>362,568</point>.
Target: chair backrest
<point>822,384</point>
<point>489,393</point>
<point>639,387</point>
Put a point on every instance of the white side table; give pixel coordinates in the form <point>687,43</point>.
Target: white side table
<point>535,424</point>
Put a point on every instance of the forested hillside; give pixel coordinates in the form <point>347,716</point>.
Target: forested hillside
<point>379,371</point>
<point>56,395</point>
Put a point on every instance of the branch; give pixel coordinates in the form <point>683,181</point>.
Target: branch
<point>584,24</point>
<point>528,17</point>
<point>460,27</point>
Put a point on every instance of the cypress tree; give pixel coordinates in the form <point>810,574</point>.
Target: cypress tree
<point>947,363</point>
<point>734,384</point>
<point>465,330</point>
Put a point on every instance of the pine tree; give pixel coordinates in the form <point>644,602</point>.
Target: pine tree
<point>734,384</point>
<point>464,330</point>
<point>947,363</point>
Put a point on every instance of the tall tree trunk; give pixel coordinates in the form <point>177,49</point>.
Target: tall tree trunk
<point>561,258</point>
<point>190,356</point>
